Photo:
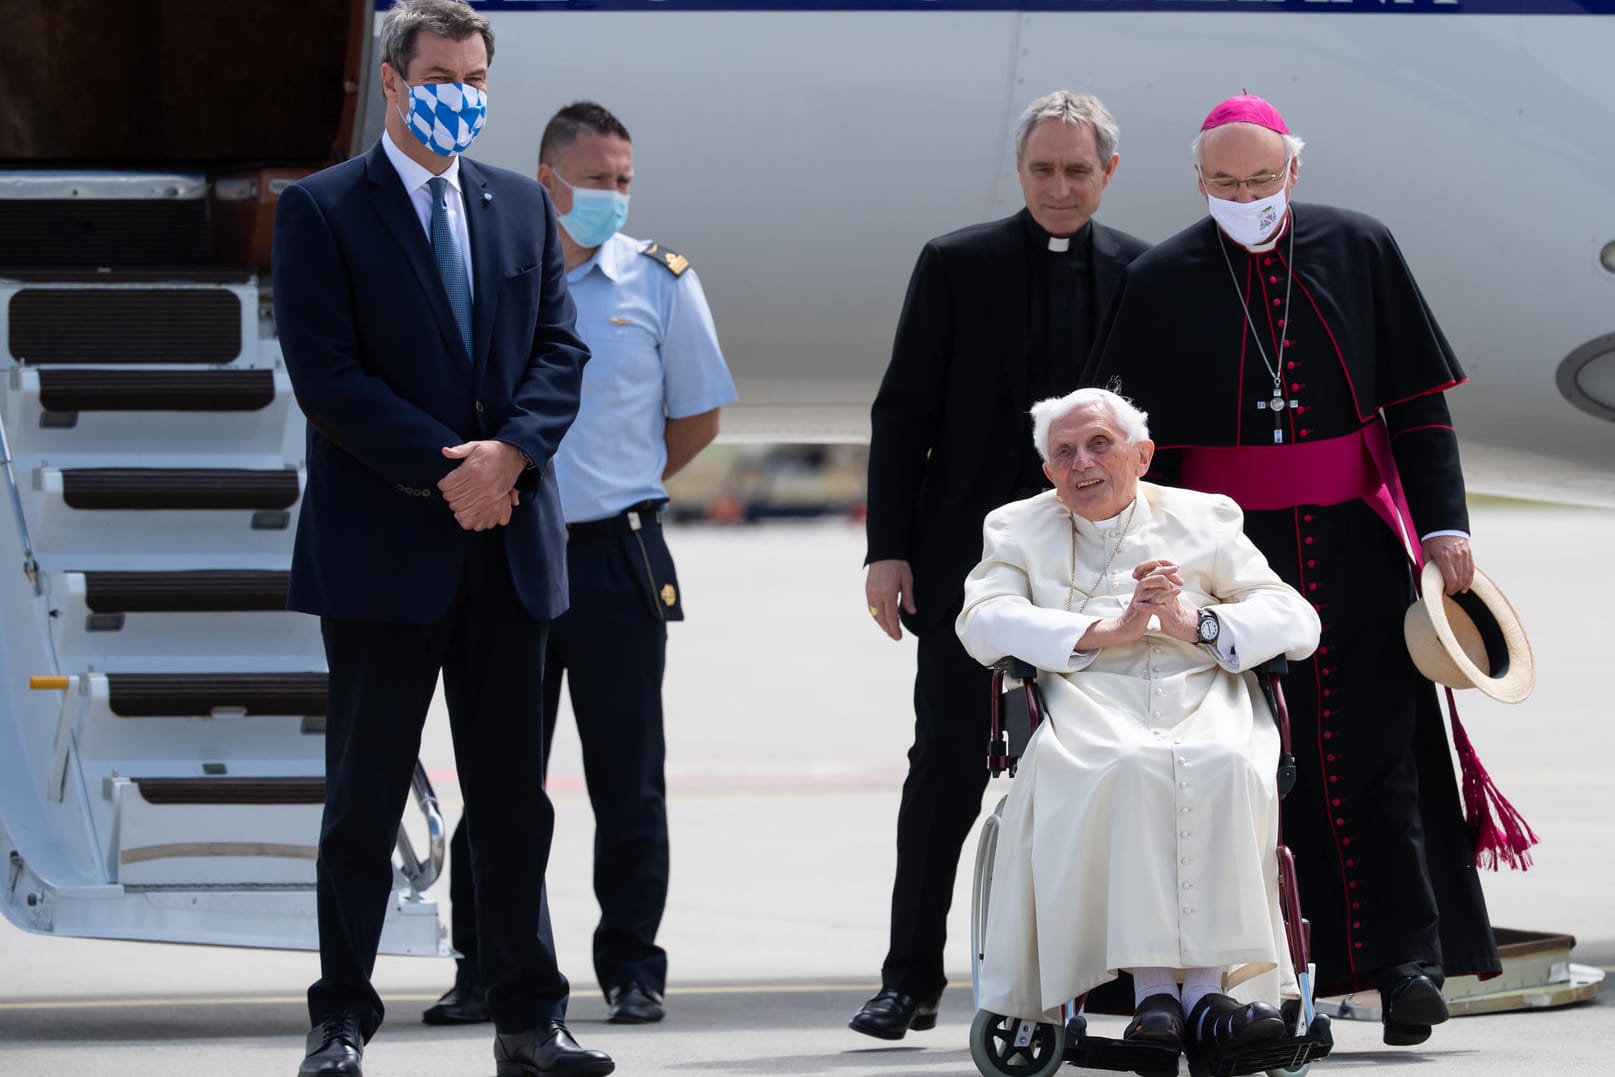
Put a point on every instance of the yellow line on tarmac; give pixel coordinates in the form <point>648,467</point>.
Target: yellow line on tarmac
<point>283,1000</point>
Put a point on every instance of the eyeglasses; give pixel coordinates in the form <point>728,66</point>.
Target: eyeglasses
<point>1265,184</point>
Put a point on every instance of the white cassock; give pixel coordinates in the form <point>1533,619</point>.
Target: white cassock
<point>1140,830</point>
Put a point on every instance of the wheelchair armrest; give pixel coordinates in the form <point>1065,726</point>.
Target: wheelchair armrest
<point>1279,665</point>
<point>1018,668</point>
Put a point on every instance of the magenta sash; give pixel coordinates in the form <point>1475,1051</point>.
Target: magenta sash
<point>1264,477</point>
<point>1336,470</point>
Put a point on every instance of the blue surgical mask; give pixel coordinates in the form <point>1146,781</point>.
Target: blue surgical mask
<point>446,116</point>
<point>596,215</point>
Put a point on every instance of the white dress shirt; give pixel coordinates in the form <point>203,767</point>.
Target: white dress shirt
<point>415,179</point>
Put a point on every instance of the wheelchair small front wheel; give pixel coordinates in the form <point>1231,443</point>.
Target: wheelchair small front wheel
<point>1006,1047</point>
<point>1299,1071</point>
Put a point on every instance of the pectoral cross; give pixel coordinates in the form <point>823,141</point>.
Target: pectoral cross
<point>1277,406</point>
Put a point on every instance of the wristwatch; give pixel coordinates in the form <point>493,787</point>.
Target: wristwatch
<point>1209,628</point>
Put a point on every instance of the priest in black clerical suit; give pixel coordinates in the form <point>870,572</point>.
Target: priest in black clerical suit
<point>998,316</point>
<point>1287,358</point>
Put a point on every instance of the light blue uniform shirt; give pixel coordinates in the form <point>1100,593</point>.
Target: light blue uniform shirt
<point>654,356</point>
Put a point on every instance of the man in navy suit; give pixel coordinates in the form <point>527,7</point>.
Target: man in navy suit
<point>423,312</point>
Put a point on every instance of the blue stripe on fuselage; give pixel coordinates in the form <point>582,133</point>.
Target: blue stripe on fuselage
<point>1297,7</point>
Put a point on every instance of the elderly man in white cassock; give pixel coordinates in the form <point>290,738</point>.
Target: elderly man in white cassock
<point>1141,832</point>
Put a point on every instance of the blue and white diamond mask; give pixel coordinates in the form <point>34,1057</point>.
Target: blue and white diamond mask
<point>446,116</point>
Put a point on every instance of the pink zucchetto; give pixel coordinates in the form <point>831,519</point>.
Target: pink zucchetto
<point>1246,108</point>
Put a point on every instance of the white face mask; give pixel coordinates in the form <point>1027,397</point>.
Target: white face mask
<point>1249,224</point>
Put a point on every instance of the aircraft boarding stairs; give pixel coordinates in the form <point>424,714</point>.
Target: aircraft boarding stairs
<point>162,715</point>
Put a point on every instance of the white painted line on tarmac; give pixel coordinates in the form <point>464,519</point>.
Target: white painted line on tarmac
<point>282,1000</point>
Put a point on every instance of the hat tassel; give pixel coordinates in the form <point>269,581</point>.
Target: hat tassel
<point>1497,830</point>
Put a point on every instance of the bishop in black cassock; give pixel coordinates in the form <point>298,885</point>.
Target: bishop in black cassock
<point>1287,358</point>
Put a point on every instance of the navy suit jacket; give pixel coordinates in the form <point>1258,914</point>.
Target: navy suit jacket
<point>380,371</point>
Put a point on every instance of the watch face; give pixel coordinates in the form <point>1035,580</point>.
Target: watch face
<point>1208,627</point>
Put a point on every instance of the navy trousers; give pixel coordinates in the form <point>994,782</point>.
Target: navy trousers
<point>382,677</point>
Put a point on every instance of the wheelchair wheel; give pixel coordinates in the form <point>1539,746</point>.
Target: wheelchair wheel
<point>980,893</point>
<point>995,1051</point>
<point>1299,1071</point>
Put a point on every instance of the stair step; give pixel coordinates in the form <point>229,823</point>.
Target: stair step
<point>135,324</point>
<point>167,695</point>
<point>196,590</point>
<point>178,488</point>
<point>156,390</point>
<point>231,790</point>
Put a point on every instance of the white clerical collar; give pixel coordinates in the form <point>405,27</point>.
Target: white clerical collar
<point>1059,244</point>
<point>1107,525</point>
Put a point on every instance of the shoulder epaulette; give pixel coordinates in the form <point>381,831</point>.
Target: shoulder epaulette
<point>672,261</point>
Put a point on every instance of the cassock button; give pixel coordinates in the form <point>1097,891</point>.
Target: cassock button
<point>1188,910</point>
<point>1185,834</point>
<point>1185,811</point>
<point>1267,261</point>
<point>1272,280</point>
<point>1185,860</point>
<point>1188,886</point>
<point>1278,302</point>
<point>1183,785</point>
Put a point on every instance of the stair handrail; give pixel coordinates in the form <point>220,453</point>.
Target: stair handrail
<point>30,564</point>
<point>422,874</point>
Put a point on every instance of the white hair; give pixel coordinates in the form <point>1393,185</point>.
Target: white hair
<point>1045,413</point>
<point>1293,145</point>
<point>1070,107</point>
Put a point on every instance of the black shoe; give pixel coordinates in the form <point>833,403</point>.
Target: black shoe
<point>1409,1007</point>
<point>633,1003</point>
<point>1220,1023</point>
<point>463,1004</point>
<point>335,1048</point>
<point>890,1014</point>
<point>1158,1020</point>
<point>547,1050</point>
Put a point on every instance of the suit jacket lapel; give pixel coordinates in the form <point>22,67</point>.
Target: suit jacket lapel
<point>1009,305</point>
<point>482,215</point>
<point>398,214</point>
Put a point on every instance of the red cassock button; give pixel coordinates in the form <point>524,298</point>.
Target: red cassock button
<point>1278,302</point>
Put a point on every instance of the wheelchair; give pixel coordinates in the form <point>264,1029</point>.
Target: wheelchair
<point>1012,1047</point>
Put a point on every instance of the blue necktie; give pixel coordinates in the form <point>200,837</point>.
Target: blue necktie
<point>450,262</point>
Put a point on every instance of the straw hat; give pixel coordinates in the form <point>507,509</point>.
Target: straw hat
<point>1469,640</point>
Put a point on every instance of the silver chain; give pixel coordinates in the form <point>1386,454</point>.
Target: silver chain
<point>1121,533</point>
<point>1244,303</point>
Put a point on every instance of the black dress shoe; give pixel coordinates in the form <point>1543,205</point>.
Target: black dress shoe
<point>1409,1007</point>
<point>463,1004</point>
<point>547,1050</point>
<point>890,1014</point>
<point>1159,1020</point>
<point>335,1049</point>
<point>634,1004</point>
<point>1220,1023</point>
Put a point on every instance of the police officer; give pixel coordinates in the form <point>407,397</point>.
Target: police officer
<point>651,395</point>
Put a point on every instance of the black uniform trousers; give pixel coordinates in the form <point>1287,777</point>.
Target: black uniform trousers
<point>612,646</point>
<point>947,775</point>
<point>382,678</point>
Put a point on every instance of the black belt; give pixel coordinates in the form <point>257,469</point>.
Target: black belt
<point>644,514</point>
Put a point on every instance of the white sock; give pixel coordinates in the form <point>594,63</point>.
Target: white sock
<point>1197,984</point>
<point>1153,981</point>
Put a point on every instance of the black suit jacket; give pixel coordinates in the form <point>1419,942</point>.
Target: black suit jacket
<point>949,424</point>
<point>380,370</point>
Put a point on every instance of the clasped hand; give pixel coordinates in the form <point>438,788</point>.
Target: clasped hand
<point>1158,594</point>
<point>481,490</point>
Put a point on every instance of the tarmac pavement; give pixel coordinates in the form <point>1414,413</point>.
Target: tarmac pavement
<point>788,719</point>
